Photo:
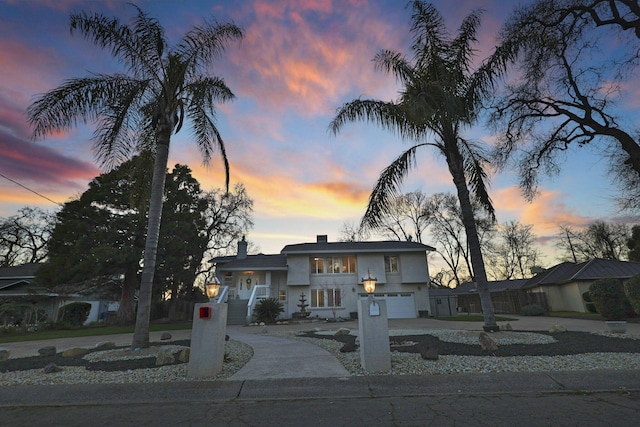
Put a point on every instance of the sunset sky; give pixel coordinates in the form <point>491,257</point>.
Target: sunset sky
<point>300,61</point>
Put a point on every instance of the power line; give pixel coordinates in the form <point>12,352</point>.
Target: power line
<point>28,189</point>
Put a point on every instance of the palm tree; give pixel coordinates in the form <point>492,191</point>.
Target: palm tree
<point>142,109</point>
<point>440,97</point>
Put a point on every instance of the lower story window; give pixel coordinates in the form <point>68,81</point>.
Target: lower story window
<point>331,297</point>
<point>282,295</point>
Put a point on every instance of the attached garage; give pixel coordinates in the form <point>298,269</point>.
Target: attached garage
<point>400,305</point>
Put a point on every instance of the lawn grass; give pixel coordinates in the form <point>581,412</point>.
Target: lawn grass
<point>86,332</point>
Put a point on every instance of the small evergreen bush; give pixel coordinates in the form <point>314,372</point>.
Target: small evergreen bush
<point>532,310</point>
<point>591,308</point>
<point>76,313</point>
<point>608,297</point>
<point>632,290</point>
<point>268,310</point>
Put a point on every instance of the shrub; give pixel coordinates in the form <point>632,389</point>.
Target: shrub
<point>608,297</point>
<point>632,290</point>
<point>532,310</point>
<point>76,313</point>
<point>268,310</point>
<point>591,308</point>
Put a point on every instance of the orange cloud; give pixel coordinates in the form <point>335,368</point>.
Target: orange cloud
<point>546,213</point>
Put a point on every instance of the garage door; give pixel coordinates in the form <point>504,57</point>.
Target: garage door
<point>400,305</point>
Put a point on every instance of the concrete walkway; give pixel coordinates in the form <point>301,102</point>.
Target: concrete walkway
<point>275,357</point>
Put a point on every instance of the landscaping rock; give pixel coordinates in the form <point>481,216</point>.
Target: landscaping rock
<point>165,357</point>
<point>52,368</point>
<point>4,354</point>
<point>429,353</point>
<point>105,345</point>
<point>184,355</point>
<point>486,342</point>
<point>348,348</point>
<point>166,336</point>
<point>47,351</point>
<point>508,327</point>
<point>557,328</point>
<point>342,331</point>
<point>75,352</point>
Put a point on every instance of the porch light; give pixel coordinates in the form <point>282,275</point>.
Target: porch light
<point>369,283</point>
<point>212,289</point>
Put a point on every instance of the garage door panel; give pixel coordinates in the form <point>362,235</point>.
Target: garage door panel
<point>400,305</point>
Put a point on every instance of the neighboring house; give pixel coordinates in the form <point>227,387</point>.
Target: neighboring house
<point>17,284</point>
<point>329,276</point>
<point>443,302</point>
<point>565,283</point>
<point>508,296</point>
<point>559,288</point>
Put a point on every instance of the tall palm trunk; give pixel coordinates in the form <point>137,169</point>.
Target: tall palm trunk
<point>126,310</point>
<point>141,333</point>
<point>456,167</point>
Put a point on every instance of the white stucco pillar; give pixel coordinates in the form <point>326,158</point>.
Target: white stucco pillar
<point>208,332</point>
<point>375,354</point>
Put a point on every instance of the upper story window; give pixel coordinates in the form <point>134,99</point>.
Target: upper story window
<point>391,264</point>
<point>333,265</point>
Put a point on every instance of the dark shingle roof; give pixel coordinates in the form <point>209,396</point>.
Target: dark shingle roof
<point>595,269</point>
<point>495,286</point>
<point>19,274</point>
<point>252,262</point>
<point>352,247</point>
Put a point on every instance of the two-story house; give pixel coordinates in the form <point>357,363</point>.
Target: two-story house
<point>328,275</point>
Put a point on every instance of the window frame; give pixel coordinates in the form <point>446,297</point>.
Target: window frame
<point>339,264</point>
<point>391,261</point>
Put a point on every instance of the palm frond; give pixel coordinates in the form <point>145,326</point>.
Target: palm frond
<point>475,169</point>
<point>429,32</point>
<point>138,55</point>
<point>388,187</point>
<point>387,115</point>
<point>77,99</point>
<point>205,43</point>
<point>393,62</point>
<point>207,136</point>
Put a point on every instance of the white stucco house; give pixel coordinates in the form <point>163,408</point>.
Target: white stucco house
<point>329,276</point>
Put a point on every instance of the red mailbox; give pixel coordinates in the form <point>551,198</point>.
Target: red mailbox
<point>205,312</point>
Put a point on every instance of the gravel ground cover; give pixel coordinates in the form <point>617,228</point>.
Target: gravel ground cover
<point>465,343</point>
<point>458,352</point>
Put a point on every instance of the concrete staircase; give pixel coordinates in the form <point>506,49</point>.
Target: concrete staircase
<point>237,311</point>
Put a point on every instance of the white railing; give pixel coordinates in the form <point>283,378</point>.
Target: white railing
<point>258,293</point>
<point>223,294</point>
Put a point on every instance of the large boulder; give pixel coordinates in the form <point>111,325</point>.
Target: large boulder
<point>486,342</point>
<point>165,357</point>
<point>342,331</point>
<point>4,354</point>
<point>184,355</point>
<point>429,353</point>
<point>75,352</point>
<point>105,345</point>
<point>47,351</point>
<point>51,368</point>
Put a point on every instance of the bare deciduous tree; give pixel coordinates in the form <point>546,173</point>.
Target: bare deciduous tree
<point>513,253</point>
<point>24,236</point>
<point>598,240</point>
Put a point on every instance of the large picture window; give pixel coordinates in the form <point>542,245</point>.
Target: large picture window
<point>325,298</point>
<point>333,265</point>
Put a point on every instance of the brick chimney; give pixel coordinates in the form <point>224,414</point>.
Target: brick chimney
<point>321,238</point>
<point>242,249</point>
